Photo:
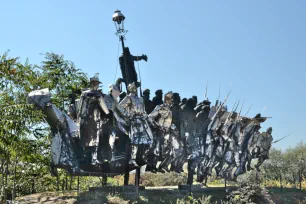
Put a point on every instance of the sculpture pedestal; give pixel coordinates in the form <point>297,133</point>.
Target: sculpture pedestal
<point>129,188</point>
<point>187,187</point>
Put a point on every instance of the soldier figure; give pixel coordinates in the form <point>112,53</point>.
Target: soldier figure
<point>251,127</point>
<point>187,130</point>
<point>147,102</point>
<point>201,124</point>
<point>127,66</point>
<point>161,118</point>
<point>264,144</point>
<point>158,98</point>
<point>116,125</point>
<point>139,132</point>
<point>93,113</point>
<point>176,110</point>
<point>195,101</point>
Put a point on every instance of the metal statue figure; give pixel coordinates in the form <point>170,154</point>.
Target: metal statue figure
<point>196,141</point>
<point>93,111</point>
<point>149,105</point>
<point>161,118</point>
<point>115,128</point>
<point>214,141</point>
<point>201,125</point>
<point>65,132</point>
<point>251,127</point>
<point>176,110</point>
<point>140,132</point>
<point>262,147</point>
<point>126,61</point>
<point>183,102</point>
<point>158,98</point>
<point>174,150</point>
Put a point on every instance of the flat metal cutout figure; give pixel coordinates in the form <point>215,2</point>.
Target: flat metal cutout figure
<point>139,130</point>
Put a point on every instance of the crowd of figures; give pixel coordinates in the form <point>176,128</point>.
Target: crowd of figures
<point>118,131</point>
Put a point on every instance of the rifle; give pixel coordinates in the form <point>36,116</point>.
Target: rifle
<point>219,108</point>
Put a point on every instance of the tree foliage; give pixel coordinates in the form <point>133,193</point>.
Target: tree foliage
<point>24,135</point>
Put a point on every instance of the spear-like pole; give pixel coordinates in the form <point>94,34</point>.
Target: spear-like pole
<point>230,114</point>
<point>206,90</point>
<point>248,110</point>
<point>241,108</point>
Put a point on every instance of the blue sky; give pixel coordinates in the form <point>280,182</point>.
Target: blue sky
<point>258,46</point>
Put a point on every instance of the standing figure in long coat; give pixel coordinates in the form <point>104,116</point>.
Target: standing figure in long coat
<point>161,118</point>
<point>116,128</point>
<point>126,61</point>
<point>93,111</point>
<point>140,132</point>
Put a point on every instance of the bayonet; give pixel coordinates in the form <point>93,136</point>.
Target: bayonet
<point>248,110</point>
<point>230,114</point>
<point>219,108</point>
<point>237,106</point>
<point>206,90</point>
<point>241,108</point>
<point>264,110</point>
<point>280,139</point>
<point>219,92</point>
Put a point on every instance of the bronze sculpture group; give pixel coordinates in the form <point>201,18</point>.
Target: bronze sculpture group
<point>104,134</point>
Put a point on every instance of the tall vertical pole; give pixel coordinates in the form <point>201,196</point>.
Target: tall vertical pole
<point>137,175</point>
<point>225,183</point>
<point>122,42</point>
<point>281,181</point>
<point>300,179</point>
<point>78,185</point>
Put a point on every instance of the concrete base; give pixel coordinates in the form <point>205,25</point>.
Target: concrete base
<point>187,187</point>
<point>129,188</point>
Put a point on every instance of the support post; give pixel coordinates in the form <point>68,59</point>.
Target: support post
<point>281,179</point>
<point>300,179</point>
<point>225,183</point>
<point>137,177</point>
<point>104,180</point>
<point>78,188</point>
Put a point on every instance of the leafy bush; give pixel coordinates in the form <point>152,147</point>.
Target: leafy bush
<point>248,194</point>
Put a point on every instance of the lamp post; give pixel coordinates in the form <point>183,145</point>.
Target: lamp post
<point>118,19</point>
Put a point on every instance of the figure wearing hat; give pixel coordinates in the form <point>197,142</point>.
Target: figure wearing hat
<point>93,111</point>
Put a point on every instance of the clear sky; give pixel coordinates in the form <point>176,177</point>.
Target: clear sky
<point>258,46</point>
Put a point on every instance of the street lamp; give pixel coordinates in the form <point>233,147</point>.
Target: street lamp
<point>118,19</point>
